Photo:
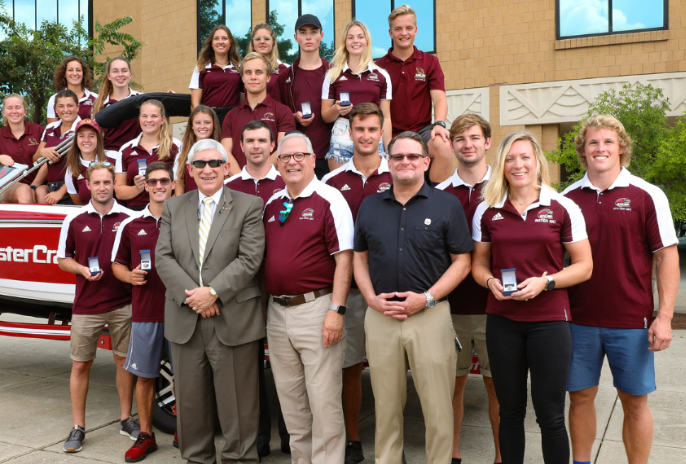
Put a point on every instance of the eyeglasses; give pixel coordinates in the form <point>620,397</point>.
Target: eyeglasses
<point>163,182</point>
<point>107,164</point>
<point>412,157</point>
<point>200,164</point>
<point>285,157</point>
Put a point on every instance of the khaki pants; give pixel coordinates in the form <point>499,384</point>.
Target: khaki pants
<point>427,341</point>
<point>309,381</point>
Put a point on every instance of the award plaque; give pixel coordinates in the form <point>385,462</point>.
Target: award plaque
<point>146,261</point>
<point>509,278</point>
<point>94,265</point>
<point>142,166</point>
<point>306,110</point>
<point>345,99</point>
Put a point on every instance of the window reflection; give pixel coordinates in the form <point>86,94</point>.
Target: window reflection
<point>235,14</point>
<point>593,18</point>
<point>282,17</point>
<point>47,11</point>
<point>628,15</point>
<point>34,12</point>
<point>25,12</point>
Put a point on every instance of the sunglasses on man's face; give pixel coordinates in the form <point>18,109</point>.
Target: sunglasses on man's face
<point>163,182</point>
<point>412,157</point>
<point>200,164</point>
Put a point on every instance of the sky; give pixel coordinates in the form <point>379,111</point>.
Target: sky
<point>580,17</point>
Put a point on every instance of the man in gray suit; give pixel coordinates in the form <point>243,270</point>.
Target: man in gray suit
<point>209,250</point>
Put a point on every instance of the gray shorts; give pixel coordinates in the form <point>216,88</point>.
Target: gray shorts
<point>145,349</point>
<point>354,327</point>
<point>425,133</point>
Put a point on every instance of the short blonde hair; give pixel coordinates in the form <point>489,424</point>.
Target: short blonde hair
<point>603,121</point>
<point>257,56</point>
<point>401,10</point>
<point>497,187</point>
<point>467,121</point>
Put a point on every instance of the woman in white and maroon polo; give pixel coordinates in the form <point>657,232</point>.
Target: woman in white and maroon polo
<point>88,148</point>
<point>263,41</point>
<point>202,124</point>
<point>115,87</point>
<point>524,225</point>
<point>216,81</point>
<point>73,74</point>
<point>155,143</point>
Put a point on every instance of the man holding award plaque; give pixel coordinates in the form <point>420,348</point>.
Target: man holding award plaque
<point>133,262</point>
<point>85,249</point>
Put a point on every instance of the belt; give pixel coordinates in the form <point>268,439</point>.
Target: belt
<point>301,299</point>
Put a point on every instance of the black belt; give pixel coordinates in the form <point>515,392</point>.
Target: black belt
<point>305,298</point>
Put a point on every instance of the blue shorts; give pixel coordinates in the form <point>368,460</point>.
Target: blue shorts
<point>146,346</point>
<point>631,363</point>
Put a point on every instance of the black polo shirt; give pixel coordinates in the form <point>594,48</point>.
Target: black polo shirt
<point>410,245</point>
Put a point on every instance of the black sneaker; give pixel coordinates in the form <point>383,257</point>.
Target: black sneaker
<point>75,440</point>
<point>130,428</point>
<point>353,452</point>
<point>263,449</point>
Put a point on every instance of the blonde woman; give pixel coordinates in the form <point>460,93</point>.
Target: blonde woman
<point>202,124</point>
<point>155,143</point>
<point>521,232</point>
<point>353,78</point>
<point>263,41</point>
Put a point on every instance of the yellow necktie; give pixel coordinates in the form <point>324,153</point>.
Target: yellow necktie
<point>204,232</point>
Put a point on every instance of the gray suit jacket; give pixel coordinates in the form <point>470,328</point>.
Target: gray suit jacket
<point>233,255</point>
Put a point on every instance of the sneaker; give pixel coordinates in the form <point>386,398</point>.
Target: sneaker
<point>130,428</point>
<point>175,443</point>
<point>75,440</point>
<point>145,444</point>
<point>353,452</point>
<point>263,450</point>
<point>286,447</point>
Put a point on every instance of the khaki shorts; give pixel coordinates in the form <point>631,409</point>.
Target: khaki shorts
<point>86,330</point>
<point>471,330</point>
<point>354,328</point>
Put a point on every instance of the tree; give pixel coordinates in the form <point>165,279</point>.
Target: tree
<point>209,17</point>
<point>28,58</point>
<point>287,51</point>
<point>669,168</point>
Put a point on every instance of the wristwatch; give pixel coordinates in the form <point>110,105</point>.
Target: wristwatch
<point>339,309</point>
<point>440,123</point>
<point>430,301</point>
<point>550,285</point>
<point>213,293</point>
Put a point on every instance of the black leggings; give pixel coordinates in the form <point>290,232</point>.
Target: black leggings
<point>544,349</point>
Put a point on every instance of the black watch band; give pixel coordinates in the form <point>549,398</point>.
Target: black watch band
<point>440,123</point>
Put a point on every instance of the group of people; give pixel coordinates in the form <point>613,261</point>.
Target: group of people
<point>307,205</point>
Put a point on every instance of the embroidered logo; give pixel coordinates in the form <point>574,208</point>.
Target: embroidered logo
<point>308,214</point>
<point>87,103</point>
<point>268,117</point>
<point>427,222</point>
<point>142,232</point>
<point>276,190</point>
<point>288,80</point>
<point>80,177</point>
<point>373,77</point>
<point>115,227</point>
<point>271,219</point>
<point>623,204</point>
<point>86,229</point>
<point>497,217</point>
<point>545,215</point>
<point>342,78</point>
<point>420,75</point>
<point>134,366</point>
<point>33,142</point>
<point>383,187</point>
<point>345,188</point>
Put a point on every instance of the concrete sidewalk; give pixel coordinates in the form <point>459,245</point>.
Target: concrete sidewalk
<point>36,413</point>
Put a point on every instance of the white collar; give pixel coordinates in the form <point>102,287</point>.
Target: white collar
<point>137,140</point>
<point>307,191</point>
<point>271,175</point>
<point>131,94</point>
<point>544,198</point>
<point>58,123</point>
<point>622,180</point>
<point>116,208</point>
<point>215,197</point>
<point>457,181</point>
<point>209,65</point>
<point>350,166</point>
<point>371,67</point>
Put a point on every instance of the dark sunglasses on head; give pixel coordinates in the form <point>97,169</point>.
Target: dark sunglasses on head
<point>200,164</point>
<point>107,164</point>
<point>412,157</point>
<point>163,182</point>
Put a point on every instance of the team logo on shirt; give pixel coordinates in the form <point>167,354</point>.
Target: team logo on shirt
<point>383,187</point>
<point>420,75</point>
<point>80,177</point>
<point>288,80</point>
<point>86,229</point>
<point>623,204</point>
<point>115,227</point>
<point>342,78</point>
<point>268,117</point>
<point>142,232</point>
<point>87,103</point>
<point>497,217</point>
<point>308,214</point>
<point>33,142</point>
<point>345,188</point>
<point>545,215</point>
<point>373,77</point>
<point>271,219</point>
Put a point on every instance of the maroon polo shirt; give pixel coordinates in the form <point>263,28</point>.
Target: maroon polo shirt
<point>263,188</point>
<point>271,85</point>
<point>52,136</point>
<point>85,105</point>
<point>275,114</point>
<point>370,86</point>
<point>297,85</point>
<point>626,224</point>
<point>127,163</point>
<point>532,243</point>
<point>127,130</point>
<point>85,234</point>
<point>299,254</point>
<point>189,180</point>
<point>413,80</point>
<point>76,185</point>
<point>138,233</point>
<point>221,87</point>
<point>21,150</point>
<point>468,297</point>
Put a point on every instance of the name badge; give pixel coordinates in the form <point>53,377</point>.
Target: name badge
<point>146,261</point>
<point>345,99</point>
<point>306,110</point>
<point>509,278</point>
<point>142,166</point>
<point>94,265</point>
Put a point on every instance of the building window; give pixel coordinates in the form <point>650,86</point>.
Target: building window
<point>282,15</point>
<point>375,16</point>
<point>603,17</point>
<point>235,14</point>
<point>34,12</point>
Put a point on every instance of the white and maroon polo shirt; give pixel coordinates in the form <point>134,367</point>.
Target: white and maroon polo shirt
<point>127,163</point>
<point>85,234</point>
<point>355,187</point>
<point>264,188</point>
<point>127,130</point>
<point>413,81</point>
<point>370,86</point>
<point>221,87</point>
<point>52,136</point>
<point>626,224</point>
<point>138,233</point>
<point>469,297</point>
<point>532,243</point>
<point>76,185</point>
<point>21,150</point>
<point>85,105</point>
<point>299,253</point>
